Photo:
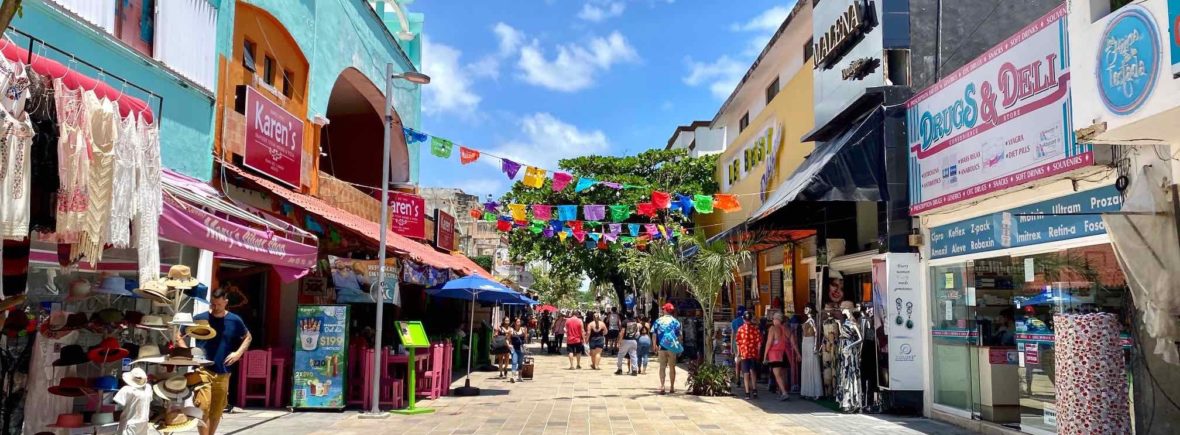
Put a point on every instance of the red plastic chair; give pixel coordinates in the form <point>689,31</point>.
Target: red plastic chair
<point>360,372</point>
<point>448,366</point>
<point>390,394</point>
<point>254,371</point>
<point>430,384</point>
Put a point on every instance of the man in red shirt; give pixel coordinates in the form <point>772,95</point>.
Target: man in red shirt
<point>574,332</point>
<point>749,342</point>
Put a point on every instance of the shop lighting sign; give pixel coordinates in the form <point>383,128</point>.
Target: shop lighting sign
<point>847,29</point>
<point>1128,60</point>
<point>274,139</point>
<point>1000,121</point>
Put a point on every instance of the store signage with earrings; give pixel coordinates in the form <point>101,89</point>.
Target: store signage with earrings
<point>905,310</point>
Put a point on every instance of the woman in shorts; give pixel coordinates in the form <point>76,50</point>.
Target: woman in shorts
<point>778,343</point>
<point>597,332</point>
<point>501,347</point>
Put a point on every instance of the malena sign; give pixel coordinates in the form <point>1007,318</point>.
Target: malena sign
<point>274,140</point>
<point>1000,121</point>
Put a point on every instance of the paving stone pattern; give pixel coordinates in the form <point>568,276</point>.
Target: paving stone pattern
<point>561,401</point>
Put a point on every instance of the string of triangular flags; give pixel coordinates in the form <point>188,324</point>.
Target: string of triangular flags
<point>533,176</point>
<point>595,235</point>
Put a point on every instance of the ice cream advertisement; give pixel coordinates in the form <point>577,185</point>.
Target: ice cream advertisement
<point>320,357</point>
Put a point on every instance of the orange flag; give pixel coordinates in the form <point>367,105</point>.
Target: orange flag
<point>467,155</point>
<point>726,202</point>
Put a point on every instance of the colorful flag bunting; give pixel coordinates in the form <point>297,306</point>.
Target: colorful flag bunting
<point>703,203</point>
<point>627,239</point>
<point>651,229</point>
<point>490,217</point>
<point>476,213</point>
<point>557,225</point>
<point>413,136</point>
<point>612,185</point>
<point>584,183</point>
<point>510,168</point>
<point>620,212</point>
<point>534,177</point>
<point>683,204</point>
<point>567,212</point>
<point>518,212</point>
<point>646,209</point>
<point>580,235</point>
<point>611,237</point>
<point>543,212</point>
<point>562,235</point>
<point>491,206</point>
<point>594,212</point>
<point>536,226</point>
<point>616,229</point>
<point>575,225</point>
<point>663,231</point>
<point>560,180</point>
<point>595,236</point>
<point>726,202</point>
<point>467,155</point>
<point>548,233</point>
<point>504,226</point>
<point>633,229</point>
<point>440,147</point>
<point>660,199</point>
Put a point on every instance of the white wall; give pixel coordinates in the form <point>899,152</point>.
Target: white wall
<point>100,13</point>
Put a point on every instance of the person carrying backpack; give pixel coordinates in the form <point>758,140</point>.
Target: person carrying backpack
<point>668,340</point>
<point>628,346</point>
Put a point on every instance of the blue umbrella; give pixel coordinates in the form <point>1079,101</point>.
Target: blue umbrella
<point>477,289</point>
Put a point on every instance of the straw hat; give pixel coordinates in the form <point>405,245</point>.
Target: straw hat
<point>201,330</point>
<point>185,356</point>
<point>149,353</point>
<point>181,277</point>
<point>152,321</point>
<point>173,388</point>
<point>13,301</point>
<point>155,290</point>
<point>176,421</point>
<point>136,377</point>
<point>182,319</point>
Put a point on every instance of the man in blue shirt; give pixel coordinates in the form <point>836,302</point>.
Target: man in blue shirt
<point>733,328</point>
<point>224,350</point>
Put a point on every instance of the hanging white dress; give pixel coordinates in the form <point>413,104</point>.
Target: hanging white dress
<point>42,408</point>
<point>104,132</point>
<point>127,153</point>
<point>16,142</point>
<point>813,384</point>
<point>148,202</point>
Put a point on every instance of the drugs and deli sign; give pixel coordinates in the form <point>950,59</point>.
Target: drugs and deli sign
<point>1000,121</point>
<point>274,139</point>
<point>406,214</point>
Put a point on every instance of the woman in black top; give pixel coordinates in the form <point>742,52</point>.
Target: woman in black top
<point>500,346</point>
<point>596,330</point>
<point>519,335</point>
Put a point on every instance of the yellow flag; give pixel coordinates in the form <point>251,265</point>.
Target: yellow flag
<point>561,236</point>
<point>534,177</point>
<point>518,212</point>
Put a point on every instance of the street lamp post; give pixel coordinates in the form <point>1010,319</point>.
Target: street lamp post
<point>390,76</point>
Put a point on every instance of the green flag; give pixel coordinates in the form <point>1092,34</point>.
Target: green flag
<point>703,203</point>
<point>440,147</point>
<point>620,212</point>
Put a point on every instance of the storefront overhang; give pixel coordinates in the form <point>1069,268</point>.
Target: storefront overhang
<point>400,245</point>
<point>849,168</point>
<point>762,239</point>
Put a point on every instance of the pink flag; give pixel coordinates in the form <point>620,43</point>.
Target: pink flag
<point>560,180</point>
<point>542,212</point>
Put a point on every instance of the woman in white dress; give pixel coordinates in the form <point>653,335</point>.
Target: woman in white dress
<point>813,386</point>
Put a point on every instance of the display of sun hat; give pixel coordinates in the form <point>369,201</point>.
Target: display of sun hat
<point>102,418</point>
<point>70,322</point>
<point>152,321</point>
<point>173,388</point>
<point>106,351</point>
<point>176,420</point>
<point>70,387</point>
<point>201,330</point>
<point>199,356</point>
<point>105,383</point>
<point>132,318</point>
<point>199,292</point>
<point>180,277</point>
<point>13,301</point>
<point>68,420</point>
<point>182,319</point>
<point>113,285</point>
<point>136,377</point>
<point>149,353</point>
<point>71,355</point>
<point>155,290</point>
<point>184,356</point>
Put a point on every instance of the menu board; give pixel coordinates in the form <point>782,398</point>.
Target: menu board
<point>320,358</point>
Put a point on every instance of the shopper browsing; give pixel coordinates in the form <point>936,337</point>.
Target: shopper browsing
<point>225,349</point>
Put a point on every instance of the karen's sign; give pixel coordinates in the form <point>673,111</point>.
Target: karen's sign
<point>1128,60</point>
<point>1068,217</point>
<point>407,214</point>
<point>1000,121</point>
<point>274,140</point>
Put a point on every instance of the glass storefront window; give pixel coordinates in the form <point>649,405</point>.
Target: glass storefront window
<point>993,334</point>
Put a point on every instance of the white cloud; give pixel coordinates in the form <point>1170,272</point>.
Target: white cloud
<point>509,38</point>
<point>575,66</point>
<point>599,10</point>
<point>545,140</point>
<point>450,89</point>
<point>721,75</point>
<point>769,19</point>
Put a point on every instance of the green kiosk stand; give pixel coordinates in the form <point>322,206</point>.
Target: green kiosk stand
<point>413,337</point>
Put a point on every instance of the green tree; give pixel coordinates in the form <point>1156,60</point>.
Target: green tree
<point>484,261</point>
<point>664,170</point>
<point>553,286</point>
<point>702,267</point>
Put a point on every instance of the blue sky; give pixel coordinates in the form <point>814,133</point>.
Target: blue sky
<point>542,80</point>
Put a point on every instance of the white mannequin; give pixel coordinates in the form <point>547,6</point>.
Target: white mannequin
<point>851,321</point>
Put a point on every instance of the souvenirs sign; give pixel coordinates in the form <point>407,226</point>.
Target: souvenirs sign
<point>274,140</point>
<point>1000,121</point>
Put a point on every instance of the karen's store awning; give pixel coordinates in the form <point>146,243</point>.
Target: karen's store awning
<point>401,245</point>
<point>196,215</point>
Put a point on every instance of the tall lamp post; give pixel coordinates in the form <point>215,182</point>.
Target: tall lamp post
<point>390,76</point>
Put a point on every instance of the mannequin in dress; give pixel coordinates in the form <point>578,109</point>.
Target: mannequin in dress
<point>812,385</point>
<point>848,392</point>
<point>831,334</point>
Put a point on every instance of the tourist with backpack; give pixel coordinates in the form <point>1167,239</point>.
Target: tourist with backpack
<point>668,340</point>
<point>628,346</point>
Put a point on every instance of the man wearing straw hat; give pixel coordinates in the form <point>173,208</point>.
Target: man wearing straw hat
<point>225,346</point>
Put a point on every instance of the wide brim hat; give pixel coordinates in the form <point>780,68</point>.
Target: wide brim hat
<point>132,318</point>
<point>106,351</point>
<point>152,321</point>
<point>154,290</point>
<point>149,353</point>
<point>181,277</point>
<point>184,356</point>
<point>172,423</point>
<point>68,420</point>
<point>79,290</point>
<point>13,301</point>
<point>200,292</point>
<point>201,331</point>
<point>71,355</point>
<point>173,388</point>
<point>73,321</point>
<point>182,319</point>
<point>113,285</point>
<point>69,387</point>
<point>105,383</point>
<point>130,377</point>
<point>102,418</point>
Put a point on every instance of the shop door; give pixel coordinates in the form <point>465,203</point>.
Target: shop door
<point>955,338</point>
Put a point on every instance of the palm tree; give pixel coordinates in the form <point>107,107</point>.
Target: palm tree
<point>701,266</point>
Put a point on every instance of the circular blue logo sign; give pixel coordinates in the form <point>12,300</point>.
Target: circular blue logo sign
<point>1128,60</point>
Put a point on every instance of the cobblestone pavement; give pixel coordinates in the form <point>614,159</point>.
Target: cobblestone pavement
<point>561,401</point>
